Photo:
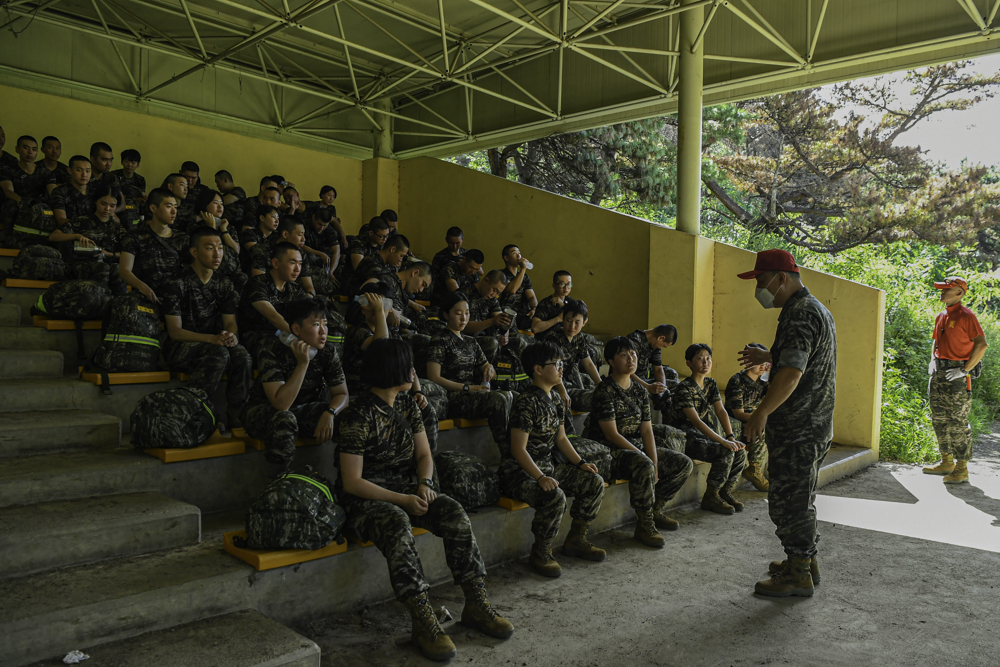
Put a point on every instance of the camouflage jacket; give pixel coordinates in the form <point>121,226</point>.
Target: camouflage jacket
<point>744,393</point>
<point>157,259</point>
<point>370,267</point>
<point>354,354</point>
<point>628,408</point>
<point>574,351</point>
<point>443,259</point>
<point>460,357</point>
<point>518,300</point>
<point>262,288</point>
<point>199,305</point>
<point>76,204</point>
<point>276,363</point>
<point>539,415</point>
<point>261,254</point>
<point>107,235</point>
<point>481,308</point>
<point>546,310</point>
<point>136,183</point>
<point>689,395</point>
<point>28,186</point>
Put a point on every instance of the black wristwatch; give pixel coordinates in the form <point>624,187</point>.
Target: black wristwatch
<point>332,411</point>
<point>416,393</point>
<point>465,387</point>
<point>582,462</point>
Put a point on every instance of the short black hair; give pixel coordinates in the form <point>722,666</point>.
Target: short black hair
<point>130,154</point>
<point>97,147</point>
<point>538,354</point>
<point>275,189</point>
<point>188,165</point>
<point>267,179</point>
<point>423,268</point>
<point>328,188</point>
<point>206,198</point>
<point>389,215</point>
<point>289,223</point>
<point>51,138</point>
<point>668,331</point>
<point>377,287</point>
<point>615,346</point>
<point>557,274</point>
<point>387,363</point>
<point>201,232</point>
<point>23,137</point>
<point>452,299</point>
<point>77,158</point>
<point>223,174</point>
<point>266,209</point>
<point>282,248</point>
<point>494,276</point>
<point>399,242</point>
<point>506,249</point>
<point>280,180</point>
<point>101,190</point>
<point>693,350</point>
<point>299,310</point>
<point>377,224</point>
<point>174,178</point>
<point>453,232</point>
<point>475,256</point>
<point>325,215</point>
<point>575,307</point>
<point>157,195</point>
<point>289,187</point>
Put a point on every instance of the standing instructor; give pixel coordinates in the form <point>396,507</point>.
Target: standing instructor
<point>798,413</point>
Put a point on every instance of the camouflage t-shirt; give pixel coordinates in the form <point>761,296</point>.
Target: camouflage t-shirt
<point>354,354</point>
<point>249,207</point>
<point>186,216</point>
<point>321,241</point>
<point>370,267</point>
<point>157,259</point>
<point>360,245</point>
<point>454,272</point>
<point>7,159</point>
<point>628,408</point>
<point>76,204</point>
<point>518,301</point>
<point>574,351</point>
<point>539,415</point>
<point>689,395</point>
<point>261,254</point>
<point>135,183</point>
<point>58,175</point>
<point>28,186</point>
<point>648,356</point>
<point>806,339</point>
<point>253,235</point>
<point>276,363</point>
<point>744,393</point>
<point>460,357</point>
<point>107,235</point>
<point>481,308</point>
<point>262,288</point>
<point>199,305</point>
<point>443,259</point>
<point>371,428</point>
<point>96,180</point>
<point>546,310</point>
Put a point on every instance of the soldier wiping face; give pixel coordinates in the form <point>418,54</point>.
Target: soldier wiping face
<point>209,252</point>
<point>287,264</point>
<point>573,324</point>
<point>458,316</point>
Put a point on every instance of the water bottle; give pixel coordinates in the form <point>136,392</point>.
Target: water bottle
<point>386,303</point>
<point>288,338</point>
<point>528,265</point>
<point>512,314</point>
<point>405,321</point>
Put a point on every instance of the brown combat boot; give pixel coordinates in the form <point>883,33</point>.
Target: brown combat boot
<point>754,473</point>
<point>480,614</point>
<point>541,559</point>
<point>794,580</point>
<point>946,467</point>
<point>726,493</point>
<point>778,566</point>
<point>427,632</point>
<point>662,521</point>
<point>960,475</point>
<point>576,543</point>
<point>713,503</point>
<point>645,530</point>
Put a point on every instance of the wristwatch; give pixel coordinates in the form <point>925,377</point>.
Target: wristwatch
<point>583,461</point>
<point>332,411</point>
<point>465,387</point>
<point>429,483</point>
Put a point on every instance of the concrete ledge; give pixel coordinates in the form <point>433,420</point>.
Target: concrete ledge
<point>843,461</point>
<point>10,315</point>
<point>33,433</point>
<point>35,338</point>
<point>30,364</point>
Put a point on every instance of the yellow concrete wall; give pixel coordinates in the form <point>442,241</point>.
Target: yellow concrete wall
<point>380,189</point>
<point>165,144</point>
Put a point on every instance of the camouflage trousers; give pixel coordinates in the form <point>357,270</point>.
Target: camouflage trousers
<point>586,488</point>
<point>280,428</point>
<point>206,363</point>
<point>390,528</point>
<point>791,498</point>
<point>727,465</point>
<point>436,395</point>
<point>253,341</point>
<point>756,451</point>
<point>516,343</point>
<point>321,281</point>
<point>494,406</point>
<point>644,490</point>
<point>951,403</point>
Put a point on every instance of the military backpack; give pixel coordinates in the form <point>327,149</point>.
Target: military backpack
<point>510,372</point>
<point>467,479</point>
<point>595,452</point>
<point>132,336</point>
<point>34,222</point>
<point>295,511</point>
<point>38,262</point>
<point>177,418</point>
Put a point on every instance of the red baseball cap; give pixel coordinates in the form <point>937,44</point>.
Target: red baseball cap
<point>771,260</point>
<point>953,281</point>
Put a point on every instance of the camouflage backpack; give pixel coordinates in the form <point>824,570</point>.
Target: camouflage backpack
<point>178,418</point>
<point>132,336</point>
<point>510,372</point>
<point>75,300</point>
<point>131,215</point>
<point>595,452</point>
<point>467,479</point>
<point>295,511</point>
<point>38,262</point>
<point>35,221</point>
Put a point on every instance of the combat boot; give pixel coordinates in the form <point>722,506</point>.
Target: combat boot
<point>576,543</point>
<point>946,467</point>
<point>427,632</point>
<point>662,521</point>
<point>645,530</point>
<point>777,566</point>
<point>726,493</point>
<point>713,503</point>
<point>754,473</point>
<point>960,475</point>
<point>794,580</point>
<point>480,614</point>
<point>541,559</point>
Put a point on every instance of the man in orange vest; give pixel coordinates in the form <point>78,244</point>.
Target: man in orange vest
<point>959,344</point>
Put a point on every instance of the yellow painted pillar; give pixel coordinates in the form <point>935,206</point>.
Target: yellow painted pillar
<point>690,84</point>
<point>379,187</point>
<point>382,138</point>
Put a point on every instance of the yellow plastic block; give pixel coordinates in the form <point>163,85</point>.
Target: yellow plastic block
<point>579,412</point>
<point>339,297</point>
<point>469,423</point>
<point>185,377</point>
<point>127,378</point>
<point>215,446</point>
<point>268,560</point>
<point>30,284</point>
<point>357,540</point>
<point>511,504</point>
<point>526,332</point>
<point>9,252</point>
<point>63,325</point>
<point>422,303</point>
<point>446,424</point>
<point>241,434</point>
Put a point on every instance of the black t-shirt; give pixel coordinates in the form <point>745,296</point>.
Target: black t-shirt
<point>200,305</point>
<point>262,288</point>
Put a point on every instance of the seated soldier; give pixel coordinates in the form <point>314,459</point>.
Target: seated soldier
<point>386,487</point>
<point>457,363</point>
<point>231,193</point>
<point>25,181</point>
<point>58,172</point>
<point>211,211</point>
<point>259,318</point>
<point>92,243</point>
<point>531,471</point>
<point>491,327</point>
<point>380,265</point>
<point>268,218</point>
<point>101,161</point>
<point>360,337</point>
<point>192,173</point>
<point>456,276</point>
<point>650,372</point>
<point>269,195</point>
<point>518,294</point>
<point>153,254</point>
<point>452,253</point>
<point>327,197</point>
<point>70,199</point>
<point>548,312</point>
<point>177,185</point>
<point>290,230</point>
<point>200,311</point>
<point>698,411</point>
<point>127,178</point>
<point>575,389</point>
<point>650,457</point>
<point>409,324</point>
<point>744,393</point>
<point>6,159</point>
<point>364,245</point>
<point>322,250</point>
<point>300,387</point>
<point>390,218</point>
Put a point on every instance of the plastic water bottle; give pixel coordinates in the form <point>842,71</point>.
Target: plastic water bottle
<point>386,303</point>
<point>528,265</point>
<point>288,338</point>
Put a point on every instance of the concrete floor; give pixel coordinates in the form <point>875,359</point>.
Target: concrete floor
<point>886,598</point>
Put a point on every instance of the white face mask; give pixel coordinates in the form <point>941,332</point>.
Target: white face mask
<point>763,296</point>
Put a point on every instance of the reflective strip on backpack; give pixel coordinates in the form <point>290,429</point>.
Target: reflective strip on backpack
<point>138,340</point>
<point>29,230</point>
<point>321,487</point>
<point>40,306</point>
<point>336,339</point>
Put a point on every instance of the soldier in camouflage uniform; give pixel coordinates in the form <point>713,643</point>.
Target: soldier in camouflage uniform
<point>290,230</point>
<point>210,211</point>
<point>548,312</point>
<point>268,195</point>
<point>322,250</point>
<point>650,457</point>
<point>126,177</point>
<point>518,295</point>
<point>200,311</point>
<point>650,373</point>
<point>744,393</point>
<point>454,252</point>
<point>177,185</point>
<point>959,345</point>
<point>456,362</point>
<point>25,181</point>
<point>58,172</point>
<point>100,229</point>
<point>259,317</point>
<point>362,246</point>
<point>70,200</point>
<point>296,396</point>
<point>576,388</point>
<point>492,327</point>
<point>386,486</point>
<point>531,471</point>
<point>455,276</point>
<point>154,254</point>
<point>798,413</point>
<point>697,410</point>
<point>379,266</point>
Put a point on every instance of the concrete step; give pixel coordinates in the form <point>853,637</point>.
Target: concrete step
<point>45,432</point>
<point>30,364</point>
<point>27,337</point>
<point>242,639</point>
<point>23,297</point>
<point>10,315</point>
<point>42,537</point>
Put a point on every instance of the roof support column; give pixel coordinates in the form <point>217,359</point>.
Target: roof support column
<point>690,84</point>
<point>382,135</point>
